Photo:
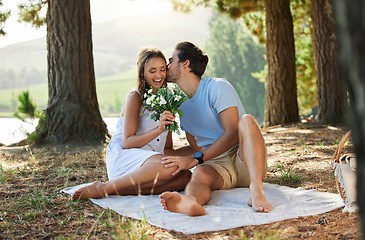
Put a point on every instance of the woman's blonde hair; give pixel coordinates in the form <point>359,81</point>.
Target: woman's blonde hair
<point>143,56</point>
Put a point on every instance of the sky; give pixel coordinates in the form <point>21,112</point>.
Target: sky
<point>101,11</point>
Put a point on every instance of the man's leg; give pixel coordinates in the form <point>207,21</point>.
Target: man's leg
<point>204,180</point>
<point>252,151</point>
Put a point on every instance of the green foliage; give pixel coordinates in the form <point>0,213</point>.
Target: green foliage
<point>286,175</point>
<point>234,55</point>
<point>3,177</point>
<point>261,235</point>
<point>26,107</point>
<point>188,5</point>
<point>305,64</point>
<point>3,17</point>
<point>31,12</point>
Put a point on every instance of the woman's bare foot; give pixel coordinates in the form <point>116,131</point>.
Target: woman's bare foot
<point>176,202</point>
<point>94,190</point>
<point>258,200</point>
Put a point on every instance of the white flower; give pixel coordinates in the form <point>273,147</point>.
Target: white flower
<point>148,101</point>
<point>149,91</point>
<point>162,101</point>
<point>177,97</point>
<point>145,95</point>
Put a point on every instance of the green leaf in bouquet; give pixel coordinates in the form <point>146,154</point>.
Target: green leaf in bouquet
<point>180,112</point>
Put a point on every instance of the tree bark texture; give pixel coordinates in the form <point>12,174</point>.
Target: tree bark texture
<point>351,42</point>
<point>281,106</point>
<point>73,110</point>
<point>332,100</point>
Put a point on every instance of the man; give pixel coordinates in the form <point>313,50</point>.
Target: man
<point>228,152</point>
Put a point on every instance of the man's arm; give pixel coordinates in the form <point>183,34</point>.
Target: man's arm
<point>188,150</point>
<point>229,119</point>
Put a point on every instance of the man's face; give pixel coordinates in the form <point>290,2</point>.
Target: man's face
<point>173,68</point>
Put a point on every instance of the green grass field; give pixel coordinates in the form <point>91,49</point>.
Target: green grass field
<point>111,92</point>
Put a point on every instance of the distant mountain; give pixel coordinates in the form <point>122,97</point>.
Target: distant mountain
<point>116,45</point>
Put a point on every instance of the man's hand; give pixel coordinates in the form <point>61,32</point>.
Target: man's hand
<point>183,163</point>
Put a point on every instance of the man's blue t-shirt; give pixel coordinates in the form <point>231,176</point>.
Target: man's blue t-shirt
<point>201,112</point>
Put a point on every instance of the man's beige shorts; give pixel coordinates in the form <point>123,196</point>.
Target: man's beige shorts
<point>232,169</point>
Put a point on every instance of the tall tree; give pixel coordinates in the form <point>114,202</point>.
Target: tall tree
<point>72,111</point>
<point>351,40</point>
<point>332,100</point>
<point>281,89</point>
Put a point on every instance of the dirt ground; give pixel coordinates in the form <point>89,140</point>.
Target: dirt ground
<point>31,206</point>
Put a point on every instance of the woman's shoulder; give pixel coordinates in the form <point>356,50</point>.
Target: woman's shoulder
<point>133,99</point>
<point>134,95</point>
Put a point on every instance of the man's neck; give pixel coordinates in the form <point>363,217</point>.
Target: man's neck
<point>189,85</point>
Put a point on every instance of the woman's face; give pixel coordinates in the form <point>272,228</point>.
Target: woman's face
<point>155,72</point>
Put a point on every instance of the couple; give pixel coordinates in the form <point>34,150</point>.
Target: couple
<point>227,151</point>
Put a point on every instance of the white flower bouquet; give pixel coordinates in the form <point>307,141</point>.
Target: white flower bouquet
<point>165,99</point>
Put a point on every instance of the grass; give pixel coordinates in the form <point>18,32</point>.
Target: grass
<point>111,92</point>
<point>287,176</point>
<point>37,209</point>
<point>32,206</point>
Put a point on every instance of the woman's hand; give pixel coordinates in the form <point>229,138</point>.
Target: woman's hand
<point>183,163</point>
<point>165,118</point>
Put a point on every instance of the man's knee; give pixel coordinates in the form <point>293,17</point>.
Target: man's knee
<point>201,175</point>
<point>246,122</point>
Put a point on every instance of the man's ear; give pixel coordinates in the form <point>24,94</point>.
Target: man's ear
<point>186,63</point>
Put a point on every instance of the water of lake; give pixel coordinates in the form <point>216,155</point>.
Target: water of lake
<point>13,130</point>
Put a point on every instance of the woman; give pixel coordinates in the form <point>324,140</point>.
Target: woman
<point>134,153</point>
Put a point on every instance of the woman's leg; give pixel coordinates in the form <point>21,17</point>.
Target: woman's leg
<point>152,175</point>
<point>177,183</point>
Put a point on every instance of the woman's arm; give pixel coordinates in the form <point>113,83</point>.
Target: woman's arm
<point>188,150</point>
<point>131,112</point>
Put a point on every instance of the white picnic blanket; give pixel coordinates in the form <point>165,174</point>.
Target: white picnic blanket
<point>227,208</point>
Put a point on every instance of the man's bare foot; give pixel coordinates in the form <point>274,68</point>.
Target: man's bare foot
<point>94,190</point>
<point>176,202</point>
<point>258,200</point>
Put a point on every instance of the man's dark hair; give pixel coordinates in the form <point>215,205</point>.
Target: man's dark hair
<point>198,59</point>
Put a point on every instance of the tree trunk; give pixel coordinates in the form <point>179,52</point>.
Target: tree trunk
<point>351,41</point>
<point>73,110</point>
<point>281,104</point>
<point>332,100</point>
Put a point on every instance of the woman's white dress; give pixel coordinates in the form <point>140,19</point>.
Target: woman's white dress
<point>119,161</point>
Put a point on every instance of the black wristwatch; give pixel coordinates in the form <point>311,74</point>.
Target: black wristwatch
<point>199,156</point>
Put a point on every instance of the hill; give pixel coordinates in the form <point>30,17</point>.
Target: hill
<point>116,44</point>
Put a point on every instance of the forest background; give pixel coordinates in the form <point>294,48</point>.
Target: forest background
<point>235,47</point>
